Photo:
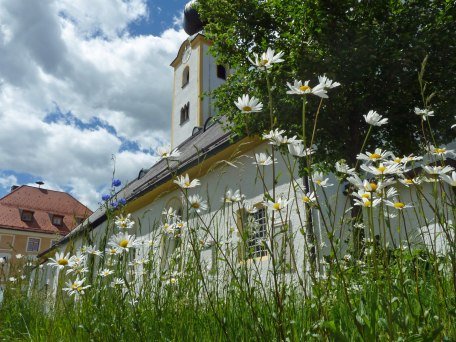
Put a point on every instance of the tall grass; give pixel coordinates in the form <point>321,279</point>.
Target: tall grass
<point>367,274</point>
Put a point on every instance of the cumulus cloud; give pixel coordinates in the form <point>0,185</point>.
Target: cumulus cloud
<point>77,57</point>
<point>7,181</point>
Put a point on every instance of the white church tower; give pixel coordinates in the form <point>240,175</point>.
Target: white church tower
<point>196,73</point>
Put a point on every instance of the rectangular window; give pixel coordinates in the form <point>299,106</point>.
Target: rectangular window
<point>255,227</point>
<point>26,215</point>
<point>57,220</point>
<point>221,72</point>
<point>33,245</point>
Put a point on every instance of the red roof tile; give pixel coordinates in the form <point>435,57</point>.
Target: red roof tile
<point>44,203</point>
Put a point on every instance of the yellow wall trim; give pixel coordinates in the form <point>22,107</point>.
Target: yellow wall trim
<point>198,171</point>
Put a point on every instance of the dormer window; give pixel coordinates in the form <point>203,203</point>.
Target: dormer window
<point>185,115</point>
<point>57,220</point>
<point>26,215</point>
<point>185,76</point>
<point>221,72</point>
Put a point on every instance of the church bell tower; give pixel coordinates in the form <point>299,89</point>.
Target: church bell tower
<point>196,73</point>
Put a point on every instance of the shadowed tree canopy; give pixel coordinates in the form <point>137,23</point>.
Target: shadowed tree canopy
<point>373,48</point>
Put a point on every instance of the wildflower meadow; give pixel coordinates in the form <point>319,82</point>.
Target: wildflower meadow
<point>369,272</point>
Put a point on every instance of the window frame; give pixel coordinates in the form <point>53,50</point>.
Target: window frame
<point>28,250</point>
<point>60,223</point>
<point>221,72</point>
<point>185,76</point>
<point>185,114</point>
<point>25,218</point>
<point>260,251</point>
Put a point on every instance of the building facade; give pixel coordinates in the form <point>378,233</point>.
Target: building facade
<point>33,219</point>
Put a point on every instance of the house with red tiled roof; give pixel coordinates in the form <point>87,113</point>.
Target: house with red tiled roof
<point>32,219</point>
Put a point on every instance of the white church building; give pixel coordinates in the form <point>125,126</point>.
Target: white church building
<point>224,162</point>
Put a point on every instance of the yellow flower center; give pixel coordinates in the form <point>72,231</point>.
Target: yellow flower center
<point>247,109</point>
<point>263,62</point>
<point>195,205</point>
<point>397,160</point>
<point>381,168</point>
<point>375,156</point>
<point>306,199</point>
<point>440,150</point>
<point>304,88</point>
<point>399,205</point>
<point>123,243</point>
<point>318,182</point>
<point>367,203</point>
<point>366,195</point>
<point>408,181</point>
<point>373,186</point>
<point>62,262</point>
<point>276,206</point>
<point>187,184</point>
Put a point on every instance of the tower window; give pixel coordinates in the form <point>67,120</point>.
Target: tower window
<point>221,72</point>
<point>185,76</point>
<point>185,113</point>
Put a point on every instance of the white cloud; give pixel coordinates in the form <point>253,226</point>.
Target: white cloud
<point>77,55</point>
<point>7,181</point>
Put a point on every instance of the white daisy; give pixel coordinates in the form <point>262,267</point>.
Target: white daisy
<point>319,179</point>
<point>76,287</point>
<point>93,250</point>
<point>377,155</point>
<point>367,203</point>
<point>117,282</point>
<point>184,182</point>
<point>60,261</point>
<point>279,204</point>
<point>397,204</point>
<point>196,203</point>
<point>424,113</point>
<point>375,119</point>
<point>165,152</point>
<point>124,222</point>
<point>123,241</point>
<point>168,228</point>
<point>263,159</point>
<point>439,151</point>
<point>113,251</point>
<point>105,272</point>
<point>297,149</point>
<point>249,208</point>
<point>327,83</point>
<point>410,181</point>
<point>382,169</point>
<point>275,137</point>
<point>233,196</point>
<point>267,59</point>
<point>450,180</point>
<point>309,198</point>
<point>342,167</point>
<point>297,88</point>
<point>248,104</point>
<point>437,170</point>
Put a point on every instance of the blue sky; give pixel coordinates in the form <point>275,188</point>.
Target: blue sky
<point>81,88</point>
<point>161,16</point>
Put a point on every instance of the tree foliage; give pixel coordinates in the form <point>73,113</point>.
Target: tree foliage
<point>373,48</point>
